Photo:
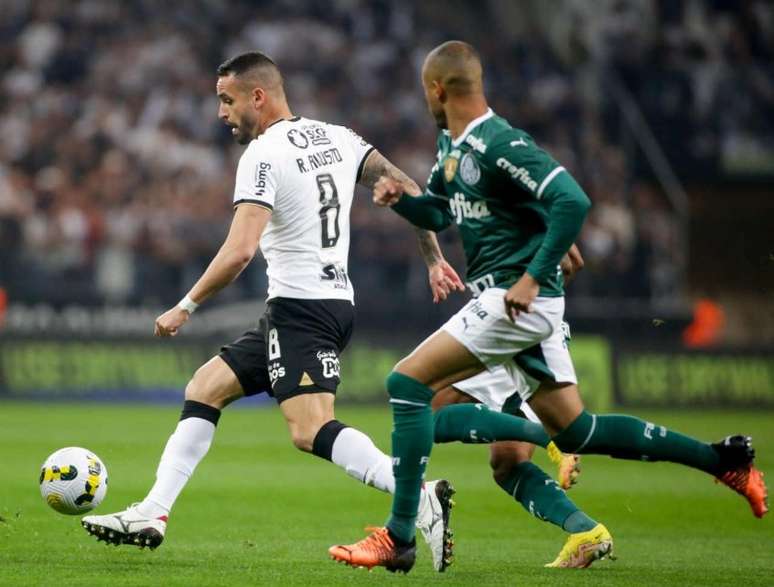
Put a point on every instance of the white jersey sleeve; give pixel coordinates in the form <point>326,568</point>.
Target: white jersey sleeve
<point>256,177</point>
<point>360,148</point>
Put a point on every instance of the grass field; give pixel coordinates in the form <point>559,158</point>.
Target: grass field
<point>258,512</point>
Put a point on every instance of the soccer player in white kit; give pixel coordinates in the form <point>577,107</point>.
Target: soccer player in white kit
<point>293,194</point>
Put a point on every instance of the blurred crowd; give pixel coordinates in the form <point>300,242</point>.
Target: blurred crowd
<point>116,176</point>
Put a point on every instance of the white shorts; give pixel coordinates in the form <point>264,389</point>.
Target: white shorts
<point>532,349</point>
<point>499,390</point>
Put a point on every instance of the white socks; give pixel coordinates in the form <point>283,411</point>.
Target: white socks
<point>354,452</point>
<point>185,448</point>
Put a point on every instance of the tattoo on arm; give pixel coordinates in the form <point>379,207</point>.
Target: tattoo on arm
<point>429,247</point>
<point>377,165</point>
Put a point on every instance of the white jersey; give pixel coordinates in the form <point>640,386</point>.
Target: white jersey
<point>305,171</point>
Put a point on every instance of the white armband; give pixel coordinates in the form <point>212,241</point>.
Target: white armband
<point>187,304</point>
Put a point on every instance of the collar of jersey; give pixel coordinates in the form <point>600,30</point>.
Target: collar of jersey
<point>276,122</point>
<point>471,125</point>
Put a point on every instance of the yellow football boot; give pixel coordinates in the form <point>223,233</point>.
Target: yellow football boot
<point>584,548</point>
<point>567,465</point>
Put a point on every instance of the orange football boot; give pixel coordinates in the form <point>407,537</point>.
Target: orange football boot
<point>748,481</point>
<point>738,472</point>
<point>377,549</point>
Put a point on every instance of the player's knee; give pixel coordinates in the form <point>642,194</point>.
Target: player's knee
<point>393,382</point>
<point>407,390</point>
<point>302,441</point>
<point>578,435</point>
<point>303,436</point>
<point>195,389</point>
<point>202,388</point>
<point>396,384</point>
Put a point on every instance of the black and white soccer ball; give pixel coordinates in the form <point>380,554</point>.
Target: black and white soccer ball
<point>73,480</point>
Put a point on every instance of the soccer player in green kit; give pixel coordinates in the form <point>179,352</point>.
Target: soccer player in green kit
<point>518,212</point>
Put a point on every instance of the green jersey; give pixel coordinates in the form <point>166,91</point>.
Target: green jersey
<point>517,209</point>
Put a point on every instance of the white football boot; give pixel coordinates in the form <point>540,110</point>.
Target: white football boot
<point>435,504</point>
<point>127,527</point>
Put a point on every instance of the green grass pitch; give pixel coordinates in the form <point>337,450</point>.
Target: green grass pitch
<point>258,512</point>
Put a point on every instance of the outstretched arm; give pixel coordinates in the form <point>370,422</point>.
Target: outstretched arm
<point>378,166</point>
<point>394,188</point>
<point>236,253</point>
<point>443,279</point>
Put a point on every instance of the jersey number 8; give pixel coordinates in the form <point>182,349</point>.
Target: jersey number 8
<point>329,210</point>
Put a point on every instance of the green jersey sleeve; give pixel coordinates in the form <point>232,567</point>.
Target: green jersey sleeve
<point>534,171</point>
<point>427,211</point>
<point>431,210</point>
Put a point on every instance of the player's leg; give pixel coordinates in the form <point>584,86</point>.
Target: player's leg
<point>574,429</point>
<point>498,390</point>
<point>567,464</point>
<point>213,386</point>
<point>437,362</point>
<point>510,461</point>
<point>304,341</point>
<point>314,429</point>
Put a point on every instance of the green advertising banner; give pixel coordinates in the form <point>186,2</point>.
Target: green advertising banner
<point>593,367</point>
<point>70,370</point>
<point>683,378</point>
<point>150,370</point>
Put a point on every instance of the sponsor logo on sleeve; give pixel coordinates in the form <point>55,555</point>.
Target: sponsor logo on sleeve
<point>261,176</point>
<point>520,174</point>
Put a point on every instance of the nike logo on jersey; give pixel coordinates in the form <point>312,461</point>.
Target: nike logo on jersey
<point>519,143</point>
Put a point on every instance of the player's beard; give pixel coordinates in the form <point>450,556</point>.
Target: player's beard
<point>244,131</point>
<point>243,134</point>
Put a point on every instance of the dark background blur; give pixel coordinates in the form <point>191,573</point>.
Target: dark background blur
<point>116,176</point>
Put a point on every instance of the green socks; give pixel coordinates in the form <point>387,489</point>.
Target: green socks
<point>412,441</point>
<point>476,423</point>
<point>544,499</point>
<point>626,437</point>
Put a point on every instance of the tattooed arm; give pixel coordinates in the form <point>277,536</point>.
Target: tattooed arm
<point>443,278</point>
<point>377,165</point>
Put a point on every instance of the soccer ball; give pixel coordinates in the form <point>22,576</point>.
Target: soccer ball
<point>73,480</point>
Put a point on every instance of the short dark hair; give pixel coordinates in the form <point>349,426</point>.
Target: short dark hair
<point>245,62</point>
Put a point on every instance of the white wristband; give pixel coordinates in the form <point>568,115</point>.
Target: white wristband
<point>187,304</point>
